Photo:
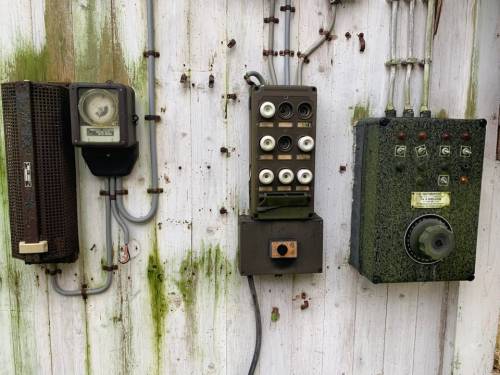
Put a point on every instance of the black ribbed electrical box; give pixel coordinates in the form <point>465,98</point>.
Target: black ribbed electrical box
<point>282,234</point>
<point>417,187</point>
<point>40,172</point>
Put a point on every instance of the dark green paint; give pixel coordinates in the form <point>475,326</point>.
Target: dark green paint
<point>360,112</point>
<point>382,197</point>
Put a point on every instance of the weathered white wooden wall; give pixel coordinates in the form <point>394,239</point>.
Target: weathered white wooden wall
<point>180,306</point>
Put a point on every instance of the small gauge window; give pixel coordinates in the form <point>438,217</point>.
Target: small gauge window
<point>99,107</point>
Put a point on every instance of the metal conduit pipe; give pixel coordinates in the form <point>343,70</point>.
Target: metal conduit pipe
<point>390,110</point>
<point>429,34</point>
<point>270,56</point>
<point>256,75</point>
<point>410,60</point>
<point>152,131</point>
<point>304,56</point>
<point>288,4</point>
<point>116,214</point>
<point>109,263</point>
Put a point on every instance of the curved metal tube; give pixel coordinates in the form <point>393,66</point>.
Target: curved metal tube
<point>109,263</point>
<point>256,75</point>
<point>315,45</point>
<point>152,131</point>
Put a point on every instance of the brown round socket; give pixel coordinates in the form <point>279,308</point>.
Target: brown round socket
<point>464,180</point>
<point>422,136</point>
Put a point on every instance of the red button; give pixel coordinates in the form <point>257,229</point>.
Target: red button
<point>466,136</point>
<point>464,180</point>
<point>402,136</point>
<point>422,136</point>
<point>445,136</point>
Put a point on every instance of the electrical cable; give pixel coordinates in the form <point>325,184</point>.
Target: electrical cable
<point>288,5</point>
<point>410,60</point>
<point>270,56</point>
<point>309,51</point>
<point>390,110</point>
<point>429,34</point>
<point>256,75</point>
<point>258,326</point>
<point>109,261</point>
<point>124,255</point>
<point>152,131</point>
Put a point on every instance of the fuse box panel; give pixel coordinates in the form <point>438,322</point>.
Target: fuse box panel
<point>416,197</point>
<point>282,148</point>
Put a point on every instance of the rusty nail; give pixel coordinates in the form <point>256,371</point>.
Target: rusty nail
<point>305,305</point>
<point>224,150</point>
<point>303,295</point>
<point>348,35</point>
<point>211,80</point>
<point>342,168</point>
<point>223,210</point>
<point>184,78</point>
<point>231,43</point>
<point>362,42</point>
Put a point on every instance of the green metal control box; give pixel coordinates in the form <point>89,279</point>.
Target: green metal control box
<point>282,147</point>
<point>417,187</point>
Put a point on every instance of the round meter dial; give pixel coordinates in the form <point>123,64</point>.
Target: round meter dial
<point>98,107</point>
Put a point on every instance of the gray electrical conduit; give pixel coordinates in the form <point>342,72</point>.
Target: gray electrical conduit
<point>317,44</point>
<point>256,75</point>
<point>270,56</point>
<point>116,214</point>
<point>288,3</point>
<point>109,262</point>
<point>392,62</point>
<point>410,60</point>
<point>429,34</point>
<point>152,132</point>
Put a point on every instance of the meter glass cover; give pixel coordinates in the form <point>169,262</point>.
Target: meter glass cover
<point>99,107</point>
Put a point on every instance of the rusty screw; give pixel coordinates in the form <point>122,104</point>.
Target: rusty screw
<point>348,35</point>
<point>342,168</point>
<point>223,210</point>
<point>305,305</point>
<point>211,80</point>
<point>231,43</point>
<point>362,42</point>
<point>224,150</point>
<point>184,78</point>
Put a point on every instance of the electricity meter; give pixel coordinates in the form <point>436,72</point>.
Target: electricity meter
<point>417,184</point>
<point>103,123</point>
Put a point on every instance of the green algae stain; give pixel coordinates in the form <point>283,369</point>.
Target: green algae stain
<point>360,112</point>
<point>471,105</point>
<point>27,63</point>
<point>209,268</point>
<point>159,301</point>
<point>442,114</point>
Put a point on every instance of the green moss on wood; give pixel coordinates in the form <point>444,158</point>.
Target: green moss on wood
<point>159,301</point>
<point>360,112</point>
